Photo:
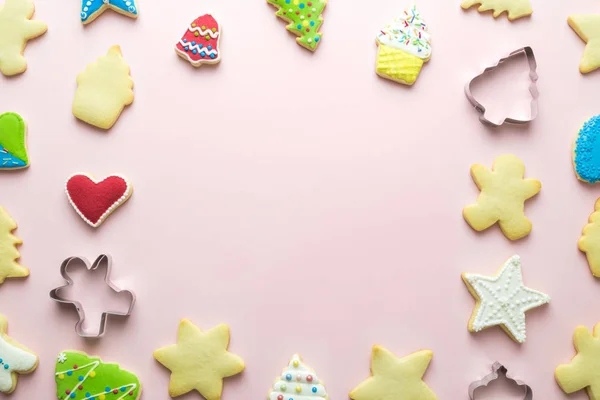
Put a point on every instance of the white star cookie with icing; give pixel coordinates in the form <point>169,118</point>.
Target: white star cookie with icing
<point>503,299</point>
<point>298,382</point>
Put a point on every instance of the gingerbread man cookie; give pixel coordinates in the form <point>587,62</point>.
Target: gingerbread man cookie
<point>514,8</point>
<point>16,28</point>
<point>583,372</point>
<point>502,197</point>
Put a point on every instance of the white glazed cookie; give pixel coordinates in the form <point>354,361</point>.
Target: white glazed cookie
<point>503,299</point>
<point>298,382</point>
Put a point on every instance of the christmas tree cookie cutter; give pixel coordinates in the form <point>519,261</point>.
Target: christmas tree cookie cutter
<point>499,370</point>
<point>103,261</point>
<point>533,76</point>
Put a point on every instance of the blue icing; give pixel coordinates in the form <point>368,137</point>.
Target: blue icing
<point>90,7</point>
<point>8,161</point>
<point>587,151</point>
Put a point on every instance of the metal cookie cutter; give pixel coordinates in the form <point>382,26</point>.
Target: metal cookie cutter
<point>105,261</point>
<point>533,76</point>
<point>497,370</point>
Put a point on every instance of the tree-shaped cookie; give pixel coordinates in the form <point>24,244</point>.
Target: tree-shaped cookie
<point>305,19</point>
<point>502,197</point>
<point>9,267</point>
<point>16,28</point>
<point>583,372</point>
<point>298,382</point>
<point>15,359</point>
<point>81,377</point>
<point>589,242</point>
<point>104,89</point>
<point>515,8</point>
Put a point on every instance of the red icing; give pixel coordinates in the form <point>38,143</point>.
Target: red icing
<point>209,22</point>
<point>94,199</point>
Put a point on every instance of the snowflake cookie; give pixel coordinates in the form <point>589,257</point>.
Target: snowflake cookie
<point>502,300</point>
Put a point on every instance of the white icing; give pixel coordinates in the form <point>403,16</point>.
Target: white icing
<point>208,32</point>
<point>198,48</point>
<point>504,299</point>
<point>297,376</point>
<point>62,357</point>
<point>17,360</point>
<point>409,33</point>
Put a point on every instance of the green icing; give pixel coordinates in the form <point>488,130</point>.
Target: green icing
<point>91,379</point>
<point>12,135</point>
<point>304,19</point>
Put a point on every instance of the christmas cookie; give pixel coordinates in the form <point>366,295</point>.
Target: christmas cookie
<point>200,43</point>
<point>298,382</point>
<point>14,359</point>
<point>16,28</point>
<point>13,142</point>
<point>394,378</point>
<point>91,9</point>
<point>502,300</point>
<point>81,377</point>
<point>103,90</point>
<point>304,19</point>
<point>199,361</point>
<point>404,45</point>
<point>588,29</point>
<point>589,242</point>
<point>502,197</point>
<point>9,267</point>
<point>95,200</point>
<point>515,8</point>
<point>586,151</point>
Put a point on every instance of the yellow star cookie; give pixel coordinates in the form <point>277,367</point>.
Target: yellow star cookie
<point>15,30</point>
<point>9,267</point>
<point>583,372</point>
<point>589,242</point>
<point>199,360</point>
<point>502,197</point>
<point>515,8</point>
<point>394,378</point>
<point>587,27</point>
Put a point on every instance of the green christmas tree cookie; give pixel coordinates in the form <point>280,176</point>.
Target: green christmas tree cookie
<point>80,377</point>
<point>305,19</point>
<point>13,142</point>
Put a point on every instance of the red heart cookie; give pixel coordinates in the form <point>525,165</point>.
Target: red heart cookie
<point>95,200</point>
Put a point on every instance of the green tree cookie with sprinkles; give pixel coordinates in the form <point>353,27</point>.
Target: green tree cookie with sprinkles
<point>80,377</point>
<point>305,19</point>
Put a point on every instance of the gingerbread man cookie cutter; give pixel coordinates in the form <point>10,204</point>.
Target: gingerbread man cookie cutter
<point>103,261</point>
<point>498,370</point>
<point>533,76</point>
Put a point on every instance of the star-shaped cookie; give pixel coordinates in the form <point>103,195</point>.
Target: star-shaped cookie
<point>503,299</point>
<point>199,360</point>
<point>394,378</point>
<point>583,370</point>
<point>587,27</point>
<point>502,197</point>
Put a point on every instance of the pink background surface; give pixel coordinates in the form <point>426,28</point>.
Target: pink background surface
<point>309,204</point>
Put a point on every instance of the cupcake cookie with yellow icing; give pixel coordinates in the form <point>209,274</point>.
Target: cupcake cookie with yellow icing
<point>404,46</point>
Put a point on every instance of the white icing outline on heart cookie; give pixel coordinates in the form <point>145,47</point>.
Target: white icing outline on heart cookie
<point>110,209</point>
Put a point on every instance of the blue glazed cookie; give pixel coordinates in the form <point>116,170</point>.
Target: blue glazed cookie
<point>586,151</point>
